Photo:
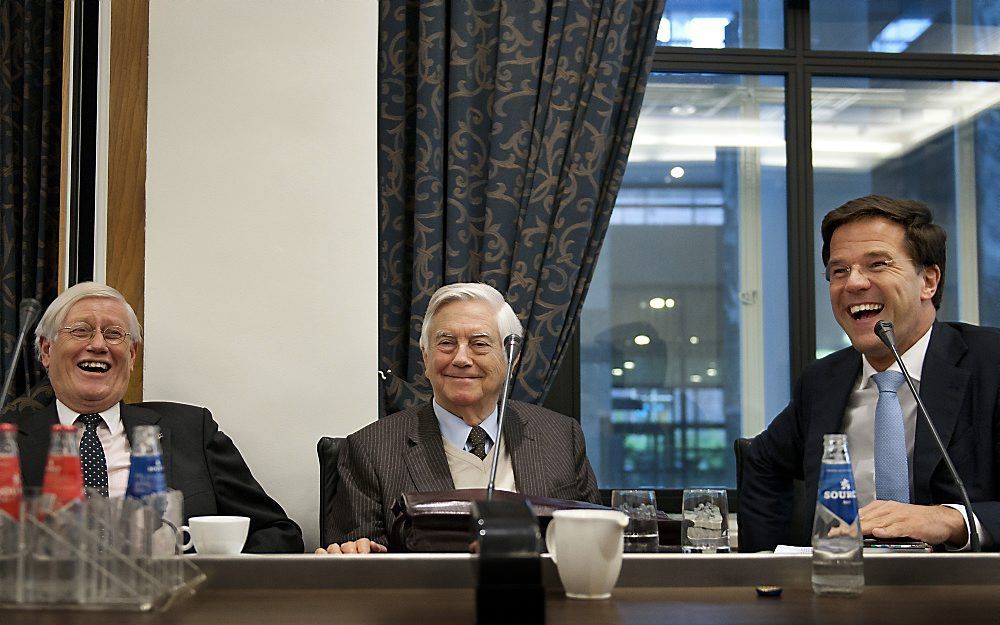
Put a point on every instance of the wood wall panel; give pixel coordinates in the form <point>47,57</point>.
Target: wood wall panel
<point>127,161</point>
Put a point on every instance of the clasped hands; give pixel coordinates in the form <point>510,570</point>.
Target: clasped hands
<point>362,545</point>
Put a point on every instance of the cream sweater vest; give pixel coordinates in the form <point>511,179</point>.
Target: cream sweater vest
<point>468,471</point>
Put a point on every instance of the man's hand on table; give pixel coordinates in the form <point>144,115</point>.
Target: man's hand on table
<point>934,525</point>
<point>362,545</point>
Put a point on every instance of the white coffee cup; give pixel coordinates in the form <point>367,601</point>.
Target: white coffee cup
<point>586,546</point>
<point>217,534</point>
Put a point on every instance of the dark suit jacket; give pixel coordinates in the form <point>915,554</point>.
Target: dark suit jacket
<point>403,453</point>
<point>198,459</point>
<point>959,385</point>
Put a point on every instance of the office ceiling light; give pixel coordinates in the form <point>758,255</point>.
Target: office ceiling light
<point>617,372</point>
<point>899,34</point>
<point>657,303</point>
<point>629,364</point>
<point>695,378</point>
<point>641,339</point>
<point>708,32</point>
<point>669,302</point>
<point>694,340</point>
<point>712,372</point>
<point>663,31</point>
<point>677,172</point>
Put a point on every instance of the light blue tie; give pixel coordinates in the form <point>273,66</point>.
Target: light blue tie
<point>892,473</point>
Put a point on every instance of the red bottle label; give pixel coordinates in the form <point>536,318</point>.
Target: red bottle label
<point>10,487</point>
<point>63,480</point>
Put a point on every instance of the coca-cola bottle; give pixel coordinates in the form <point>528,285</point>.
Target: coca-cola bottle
<point>63,481</point>
<point>10,513</point>
<point>10,473</point>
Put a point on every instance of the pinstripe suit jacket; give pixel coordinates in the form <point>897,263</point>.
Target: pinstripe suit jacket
<point>403,453</point>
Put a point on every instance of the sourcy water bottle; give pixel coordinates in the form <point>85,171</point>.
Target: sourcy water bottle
<point>145,477</point>
<point>836,538</point>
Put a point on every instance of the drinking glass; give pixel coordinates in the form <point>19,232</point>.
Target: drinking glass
<point>641,534</point>
<point>705,528</point>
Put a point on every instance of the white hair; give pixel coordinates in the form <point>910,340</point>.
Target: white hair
<point>507,321</point>
<point>55,315</point>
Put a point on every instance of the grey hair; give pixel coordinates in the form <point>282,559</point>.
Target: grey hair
<point>55,315</point>
<point>507,321</point>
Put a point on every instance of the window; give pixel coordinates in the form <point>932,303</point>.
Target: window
<point>906,26</point>
<point>683,286</point>
<point>923,139</point>
<point>760,117</point>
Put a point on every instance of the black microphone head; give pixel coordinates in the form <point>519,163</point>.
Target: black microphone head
<point>512,345</point>
<point>29,309</point>
<point>883,329</point>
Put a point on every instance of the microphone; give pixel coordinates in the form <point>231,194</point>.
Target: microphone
<point>512,348</point>
<point>884,330</point>
<point>29,309</point>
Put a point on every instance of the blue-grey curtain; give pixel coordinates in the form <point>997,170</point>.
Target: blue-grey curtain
<point>504,129</point>
<point>31,34</point>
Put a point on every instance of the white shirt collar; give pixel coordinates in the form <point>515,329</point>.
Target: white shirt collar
<point>913,358</point>
<point>112,416</point>
<point>456,431</point>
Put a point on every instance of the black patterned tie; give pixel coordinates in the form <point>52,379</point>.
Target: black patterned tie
<point>95,465</point>
<point>477,442</point>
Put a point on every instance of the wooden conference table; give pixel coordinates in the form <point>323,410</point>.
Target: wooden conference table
<point>652,589</point>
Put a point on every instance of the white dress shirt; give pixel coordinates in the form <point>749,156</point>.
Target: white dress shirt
<point>859,425</point>
<point>117,450</point>
<point>456,431</point>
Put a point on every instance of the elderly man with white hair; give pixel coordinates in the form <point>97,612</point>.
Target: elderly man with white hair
<point>445,444</point>
<point>87,341</point>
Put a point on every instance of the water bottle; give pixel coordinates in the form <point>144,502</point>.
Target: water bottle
<point>836,539</point>
<point>145,477</point>
<point>63,481</point>
<point>10,514</point>
<point>10,474</point>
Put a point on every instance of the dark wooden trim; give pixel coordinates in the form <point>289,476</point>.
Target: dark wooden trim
<point>126,237</point>
<point>65,143</point>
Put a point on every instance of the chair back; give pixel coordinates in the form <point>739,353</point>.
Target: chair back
<point>328,449</point>
<point>799,533</point>
<point>741,447</point>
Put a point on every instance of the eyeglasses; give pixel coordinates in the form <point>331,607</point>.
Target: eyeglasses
<point>113,335</point>
<point>842,272</point>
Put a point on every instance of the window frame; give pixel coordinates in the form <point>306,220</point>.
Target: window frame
<point>798,64</point>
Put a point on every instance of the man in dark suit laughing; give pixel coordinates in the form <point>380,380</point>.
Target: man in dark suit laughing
<point>87,341</point>
<point>885,260</point>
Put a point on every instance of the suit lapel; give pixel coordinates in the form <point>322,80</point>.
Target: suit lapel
<point>942,388</point>
<point>525,455</point>
<point>133,416</point>
<point>35,430</point>
<point>424,456</point>
<point>827,415</point>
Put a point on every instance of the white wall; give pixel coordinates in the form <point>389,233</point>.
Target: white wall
<point>261,218</point>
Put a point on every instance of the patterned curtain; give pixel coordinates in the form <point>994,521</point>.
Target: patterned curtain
<point>31,33</point>
<point>504,129</point>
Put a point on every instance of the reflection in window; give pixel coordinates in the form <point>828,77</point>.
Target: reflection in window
<point>722,24</point>
<point>691,284</point>
<point>934,141</point>
<point>923,26</point>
